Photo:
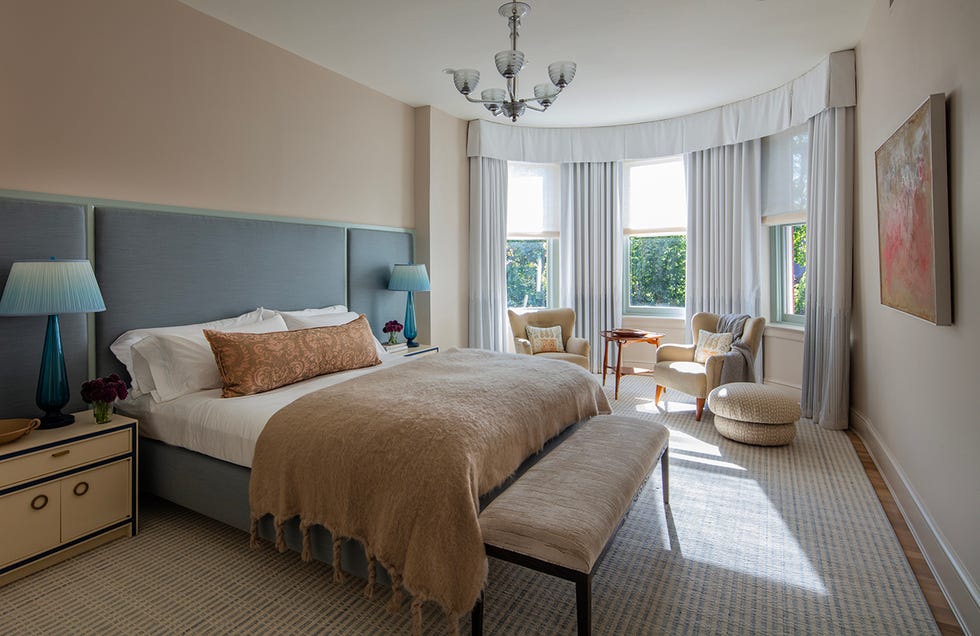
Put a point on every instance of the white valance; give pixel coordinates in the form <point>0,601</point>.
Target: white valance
<point>829,84</point>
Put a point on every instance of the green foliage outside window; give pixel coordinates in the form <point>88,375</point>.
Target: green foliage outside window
<point>657,270</point>
<point>799,269</point>
<point>527,273</point>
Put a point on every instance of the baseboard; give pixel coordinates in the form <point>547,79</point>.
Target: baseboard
<point>952,576</point>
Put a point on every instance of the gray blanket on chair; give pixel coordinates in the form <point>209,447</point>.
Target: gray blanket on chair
<point>737,364</point>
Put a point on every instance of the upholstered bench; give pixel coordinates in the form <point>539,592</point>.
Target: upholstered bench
<point>561,515</point>
<point>754,414</point>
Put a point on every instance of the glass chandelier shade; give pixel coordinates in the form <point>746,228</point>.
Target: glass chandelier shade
<point>510,62</point>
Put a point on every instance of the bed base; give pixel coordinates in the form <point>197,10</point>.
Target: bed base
<point>219,490</point>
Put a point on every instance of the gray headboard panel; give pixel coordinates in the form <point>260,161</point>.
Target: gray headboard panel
<point>30,229</point>
<point>164,268</point>
<point>371,253</point>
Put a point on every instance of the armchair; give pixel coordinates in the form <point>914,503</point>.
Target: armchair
<point>676,368</point>
<point>576,349</point>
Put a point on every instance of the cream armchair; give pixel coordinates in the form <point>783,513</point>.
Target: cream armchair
<point>676,368</point>
<point>576,349</point>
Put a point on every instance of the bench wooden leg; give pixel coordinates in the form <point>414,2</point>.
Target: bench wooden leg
<point>476,617</point>
<point>665,474</point>
<point>583,604</point>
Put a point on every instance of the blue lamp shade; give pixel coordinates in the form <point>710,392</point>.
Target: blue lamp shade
<point>52,287</point>
<point>410,278</point>
<point>44,288</point>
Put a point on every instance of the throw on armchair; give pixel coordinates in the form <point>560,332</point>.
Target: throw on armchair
<point>677,369</point>
<point>576,350</point>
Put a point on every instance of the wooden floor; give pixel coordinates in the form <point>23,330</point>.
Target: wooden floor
<point>934,595</point>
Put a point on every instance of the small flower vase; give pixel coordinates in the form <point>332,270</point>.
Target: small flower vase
<point>393,338</point>
<point>102,412</point>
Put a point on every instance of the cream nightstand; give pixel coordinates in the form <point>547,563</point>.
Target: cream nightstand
<point>421,350</point>
<point>64,491</point>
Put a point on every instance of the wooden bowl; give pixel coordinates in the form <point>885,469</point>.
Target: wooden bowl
<point>629,333</point>
<point>11,430</point>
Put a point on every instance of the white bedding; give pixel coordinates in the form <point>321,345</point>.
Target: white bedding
<point>227,428</point>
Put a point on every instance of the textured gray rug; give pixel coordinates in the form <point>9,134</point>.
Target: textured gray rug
<point>776,541</point>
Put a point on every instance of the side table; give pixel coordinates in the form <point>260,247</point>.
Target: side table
<point>622,338</point>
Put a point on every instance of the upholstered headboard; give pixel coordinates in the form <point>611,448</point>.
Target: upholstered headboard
<point>170,268</point>
<point>31,229</point>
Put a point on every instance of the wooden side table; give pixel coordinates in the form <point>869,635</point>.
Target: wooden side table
<point>621,338</point>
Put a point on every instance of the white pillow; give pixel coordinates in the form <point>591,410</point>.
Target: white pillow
<point>332,309</point>
<point>180,365</point>
<point>122,347</point>
<point>711,344</point>
<point>295,322</point>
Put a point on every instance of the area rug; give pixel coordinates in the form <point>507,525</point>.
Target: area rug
<point>755,541</point>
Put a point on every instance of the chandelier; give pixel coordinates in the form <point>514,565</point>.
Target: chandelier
<point>509,64</point>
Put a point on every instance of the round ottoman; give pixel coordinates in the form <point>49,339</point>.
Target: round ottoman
<point>754,414</point>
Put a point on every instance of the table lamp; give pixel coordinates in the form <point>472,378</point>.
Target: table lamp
<point>48,288</point>
<point>410,278</point>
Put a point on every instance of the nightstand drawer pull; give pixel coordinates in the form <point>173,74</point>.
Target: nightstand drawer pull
<point>39,502</point>
<point>61,453</point>
<point>80,488</point>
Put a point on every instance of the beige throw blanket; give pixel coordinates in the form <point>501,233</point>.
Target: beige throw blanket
<point>397,459</point>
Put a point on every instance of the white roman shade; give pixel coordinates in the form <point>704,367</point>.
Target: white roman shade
<point>785,161</point>
<point>656,197</point>
<point>533,198</point>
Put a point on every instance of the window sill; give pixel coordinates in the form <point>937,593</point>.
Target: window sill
<point>784,331</point>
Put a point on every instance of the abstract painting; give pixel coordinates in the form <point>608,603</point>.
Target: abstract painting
<point>913,216</point>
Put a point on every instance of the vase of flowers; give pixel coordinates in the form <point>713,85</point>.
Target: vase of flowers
<point>392,328</point>
<point>101,393</point>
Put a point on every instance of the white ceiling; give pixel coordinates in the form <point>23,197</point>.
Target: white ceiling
<point>638,60</point>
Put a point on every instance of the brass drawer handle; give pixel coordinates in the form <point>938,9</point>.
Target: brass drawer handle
<point>61,453</point>
<point>39,502</point>
<point>80,488</point>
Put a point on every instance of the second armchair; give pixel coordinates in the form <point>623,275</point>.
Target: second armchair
<point>576,350</point>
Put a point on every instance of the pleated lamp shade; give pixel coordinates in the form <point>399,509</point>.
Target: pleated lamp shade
<point>51,287</point>
<point>409,278</point>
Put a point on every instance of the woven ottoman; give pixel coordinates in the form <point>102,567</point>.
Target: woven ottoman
<point>754,414</point>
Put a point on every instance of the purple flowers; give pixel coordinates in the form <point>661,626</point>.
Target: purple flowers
<point>392,326</point>
<point>108,389</point>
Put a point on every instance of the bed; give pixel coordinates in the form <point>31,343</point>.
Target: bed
<point>165,268</point>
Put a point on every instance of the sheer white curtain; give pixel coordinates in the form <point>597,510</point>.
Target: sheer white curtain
<point>724,196</point>
<point>591,248</point>
<point>826,341</point>
<point>488,253</point>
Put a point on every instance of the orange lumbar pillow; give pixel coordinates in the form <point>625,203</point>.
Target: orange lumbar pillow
<point>255,362</point>
<point>545,339</point>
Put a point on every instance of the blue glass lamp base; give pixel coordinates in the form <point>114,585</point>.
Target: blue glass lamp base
<point>52,381</point>
<point>410,329</point>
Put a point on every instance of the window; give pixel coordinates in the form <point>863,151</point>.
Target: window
<point>532,234</point>
<point>785,162</point>
<point>655,228</point>
<point>789,267</point>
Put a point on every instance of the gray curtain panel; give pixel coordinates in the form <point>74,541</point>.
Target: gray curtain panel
<point>488,253</point>
<point>826,341</point>
<point>591,248</point>
<point>724,197</point>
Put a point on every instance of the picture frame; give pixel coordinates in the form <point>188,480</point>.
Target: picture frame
<point>913,216</point>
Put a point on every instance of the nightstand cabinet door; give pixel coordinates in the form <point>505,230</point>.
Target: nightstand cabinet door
<point>29,522</point>
<point>95,498</point>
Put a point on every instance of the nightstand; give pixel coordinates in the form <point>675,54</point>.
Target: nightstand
<point>64,491</point>
<point>421,350</point>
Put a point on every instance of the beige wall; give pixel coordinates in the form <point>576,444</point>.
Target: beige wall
<point>914,384</point>
<point>442,226</point>
<point>152,101</point>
